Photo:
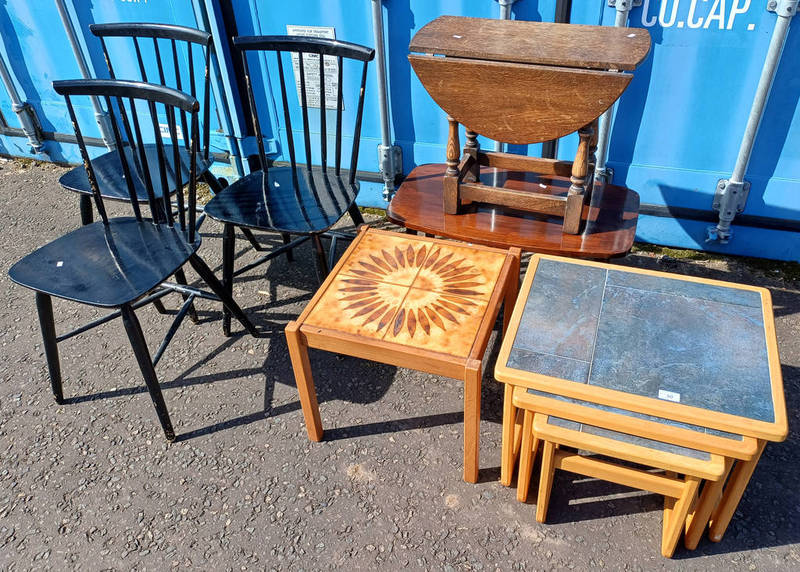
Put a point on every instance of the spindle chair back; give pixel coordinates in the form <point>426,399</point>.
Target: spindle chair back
<point>124,262</point>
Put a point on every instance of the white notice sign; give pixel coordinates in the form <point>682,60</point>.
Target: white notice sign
<point>669,395</point>
<point>311,68</point>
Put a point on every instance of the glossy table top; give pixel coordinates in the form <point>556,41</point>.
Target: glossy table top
<point>609,229</point>
<point>687,349</point>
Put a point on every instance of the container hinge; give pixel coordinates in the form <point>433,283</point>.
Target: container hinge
<point>390,159</point>
<point>631,3</point>
<point>30,125</point>
<point>605,175</point>
<point>783,7</point>
<point>729,200</point>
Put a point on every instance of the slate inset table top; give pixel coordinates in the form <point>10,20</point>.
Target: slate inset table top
<point>412,291</point>
<point>682,348</point>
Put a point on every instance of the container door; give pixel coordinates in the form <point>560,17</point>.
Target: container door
<point>679,125</point>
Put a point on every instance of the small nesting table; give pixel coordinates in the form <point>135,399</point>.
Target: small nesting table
<point>684,468</point>
<point>412,302</point>
<point>683,360</point>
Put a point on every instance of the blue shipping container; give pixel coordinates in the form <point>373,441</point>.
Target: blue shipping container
<point>676,131</point>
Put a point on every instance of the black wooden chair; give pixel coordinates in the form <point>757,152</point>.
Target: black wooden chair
<point>124,262</point>
<point>297,199</point>
<point>185,49</point>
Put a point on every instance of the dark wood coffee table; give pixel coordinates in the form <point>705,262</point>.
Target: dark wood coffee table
<point>609,231</point>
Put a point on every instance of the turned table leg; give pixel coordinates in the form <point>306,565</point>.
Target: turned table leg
<point>450,190</point>
<point>580,169</point>
<point>471,147</point>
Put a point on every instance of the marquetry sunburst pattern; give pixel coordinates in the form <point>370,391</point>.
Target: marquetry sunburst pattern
<point>411,291</point>
<point>441,283</point>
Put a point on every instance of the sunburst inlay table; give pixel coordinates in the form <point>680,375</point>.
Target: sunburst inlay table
<point>412,302</point>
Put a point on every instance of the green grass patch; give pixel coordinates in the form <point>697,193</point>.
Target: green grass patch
<point>26,162</point>
<point>676,253</point>
<point>373,211</point>
<point>789,271</point>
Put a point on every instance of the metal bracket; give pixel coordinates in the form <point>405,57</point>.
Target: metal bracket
<point>730,198</point>
<point>390,159</point>
<point>631,3</point>
<point>30,125</point>
<point>786,8</point>
<point>605,175</point>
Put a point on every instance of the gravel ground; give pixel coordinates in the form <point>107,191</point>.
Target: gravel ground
<point>93,484</point>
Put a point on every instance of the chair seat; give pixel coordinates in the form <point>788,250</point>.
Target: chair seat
<point>286,200</point>
<point>106,266</point>
<point>108,171</point>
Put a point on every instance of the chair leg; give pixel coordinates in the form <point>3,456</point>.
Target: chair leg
<point>248,234</point>
<point>287,238</point>
<point>159,306</point>
<point>139,345</point>
<point>355,214</point>
<point>322,264</point>
<point>545,481</point>
<point>159,214</point>
<point>228,249</point>
<point>180,278</point>
<point>87,215</point>
<point>525,458</point>
<point>216,185</point>
<point>44,306</point>
<point>332,251</point>
<point>216,286</point>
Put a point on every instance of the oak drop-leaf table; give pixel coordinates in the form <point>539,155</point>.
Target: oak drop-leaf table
<point>412,302</point>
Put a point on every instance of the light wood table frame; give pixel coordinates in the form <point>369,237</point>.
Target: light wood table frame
<point>519,401</point>
<point>412,302</point>
<point>679,492</point>
<point>717,502</point>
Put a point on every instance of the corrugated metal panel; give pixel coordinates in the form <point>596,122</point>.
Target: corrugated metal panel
<point>677,129</point>
<point>419,125</point>
<point>38,50</point>
<point>680,123</point>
